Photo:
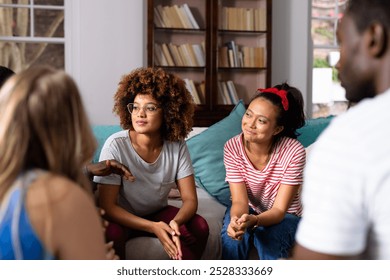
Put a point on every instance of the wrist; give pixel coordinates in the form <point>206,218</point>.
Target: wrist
<point>257,220</point>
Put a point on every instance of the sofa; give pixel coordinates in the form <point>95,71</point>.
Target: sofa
<point>206,150</point>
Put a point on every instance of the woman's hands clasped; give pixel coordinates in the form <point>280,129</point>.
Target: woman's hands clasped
<point>238,226</point>
<point>169,236</point>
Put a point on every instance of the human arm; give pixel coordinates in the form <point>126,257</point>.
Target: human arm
<point>107,167</point>
<point>107,200</point>
<point>239,208</point>
<point>276,213</point>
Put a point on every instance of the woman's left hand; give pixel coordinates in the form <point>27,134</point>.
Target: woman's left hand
<point>247,221</point>
<point>176,237</point>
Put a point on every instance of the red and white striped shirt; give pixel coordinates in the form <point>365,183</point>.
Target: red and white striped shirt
<point>284,167</point>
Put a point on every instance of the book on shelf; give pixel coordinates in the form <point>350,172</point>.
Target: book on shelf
<point>232,54</point>
<point>223,60</point>
<point>259,56</point>
<point>191,53</point>
<point>179,15</point>
<point>199,54</point>
<point>232,92</point>
<point>175,55</point>
<point>173,17</point>
<point>223,92</point>
<point>245,19</point>
<point>164,16</point>
<point>249,20</point>
<point>167,54</point>
<point>184,55</point>
<point>190,85</point>
<point>190,16</point>
<point>159,55</point>
<point>158,21</point>
<point>183,16</point>
<point>260,19</point>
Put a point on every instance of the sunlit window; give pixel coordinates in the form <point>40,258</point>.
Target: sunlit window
<point>328,96</point>
<point>31,32</point>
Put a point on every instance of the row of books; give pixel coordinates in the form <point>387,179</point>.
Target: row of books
<point>197,90</point>
<point>191,55</point>
<point>245,19</point>
<point>174,16</point>
<point>232,55</point>
<point>227,93</point>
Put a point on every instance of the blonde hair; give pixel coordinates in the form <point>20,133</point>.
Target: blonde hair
<point>43,124</point>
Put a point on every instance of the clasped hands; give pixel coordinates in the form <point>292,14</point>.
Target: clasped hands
<point>238,225</point>
<point>169,236</point>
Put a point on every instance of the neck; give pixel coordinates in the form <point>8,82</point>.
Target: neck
<point>383,80</point>
<point>258,148</point>
<point>147,141</point>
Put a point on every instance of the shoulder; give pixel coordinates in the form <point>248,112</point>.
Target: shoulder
<point>55,189</point>
<point>54,202</point>
<point>117,137</point>
<point>290,145</point>
<point>234,141</point>
<point>234,147</point>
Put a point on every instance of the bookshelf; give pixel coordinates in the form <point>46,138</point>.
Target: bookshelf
<point>221,48</point>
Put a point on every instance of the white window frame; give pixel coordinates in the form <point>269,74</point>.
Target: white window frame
<point>32,38</point>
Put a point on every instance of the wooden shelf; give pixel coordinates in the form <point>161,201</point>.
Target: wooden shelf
<point>208,14</point>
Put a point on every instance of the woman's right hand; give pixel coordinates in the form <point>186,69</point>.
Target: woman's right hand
<point>234,229</point>
<point>166,234</point>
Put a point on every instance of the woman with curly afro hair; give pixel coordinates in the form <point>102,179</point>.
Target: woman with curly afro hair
<point>155,111</point>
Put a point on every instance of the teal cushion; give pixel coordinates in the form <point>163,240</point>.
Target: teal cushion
<point>102,132</point>
<point>309,133</point>
<point>206,151</point>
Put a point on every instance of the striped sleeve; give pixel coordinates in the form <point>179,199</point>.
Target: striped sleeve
<point>232,160</point>
<point>296,158</point>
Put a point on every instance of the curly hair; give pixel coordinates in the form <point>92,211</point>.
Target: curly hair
<point>168,90</point>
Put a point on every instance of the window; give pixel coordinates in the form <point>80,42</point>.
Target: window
<point>328,96</point>
<point>31,32</point>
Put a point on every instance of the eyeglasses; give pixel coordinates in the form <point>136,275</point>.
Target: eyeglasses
<point>149,109</point>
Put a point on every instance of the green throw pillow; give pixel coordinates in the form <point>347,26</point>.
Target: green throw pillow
<point>206,151</point>
<point>102,132</point>
<point>309,133</point>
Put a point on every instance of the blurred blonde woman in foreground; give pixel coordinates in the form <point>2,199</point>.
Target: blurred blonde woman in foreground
<point>46,208</point>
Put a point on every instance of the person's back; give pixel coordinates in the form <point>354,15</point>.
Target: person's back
<point>359,183</point>
<point>46,210</point>
<point>37,220</point>
<point>347,176</point>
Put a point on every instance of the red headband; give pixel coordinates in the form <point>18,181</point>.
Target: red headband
<point>279,92</point>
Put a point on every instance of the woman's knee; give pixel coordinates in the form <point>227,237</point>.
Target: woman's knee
<point>115,232</point>
<point>200,226</point>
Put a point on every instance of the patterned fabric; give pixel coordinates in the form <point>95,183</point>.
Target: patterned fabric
<point>284,167</point>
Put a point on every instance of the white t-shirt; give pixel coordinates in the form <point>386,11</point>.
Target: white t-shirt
<point>346,189</point>
<point>153,181</point>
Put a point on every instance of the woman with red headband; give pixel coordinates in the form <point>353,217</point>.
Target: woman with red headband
<point>264,167</point>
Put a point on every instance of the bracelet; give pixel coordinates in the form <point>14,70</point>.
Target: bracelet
<point>257,222</point>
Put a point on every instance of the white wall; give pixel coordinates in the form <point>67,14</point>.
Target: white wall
<point>104,40</point>
<point>107,38</point>
<point>292,47</point>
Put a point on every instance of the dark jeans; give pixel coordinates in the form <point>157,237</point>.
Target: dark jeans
<point>194,233</point>
<point>272,242</point>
